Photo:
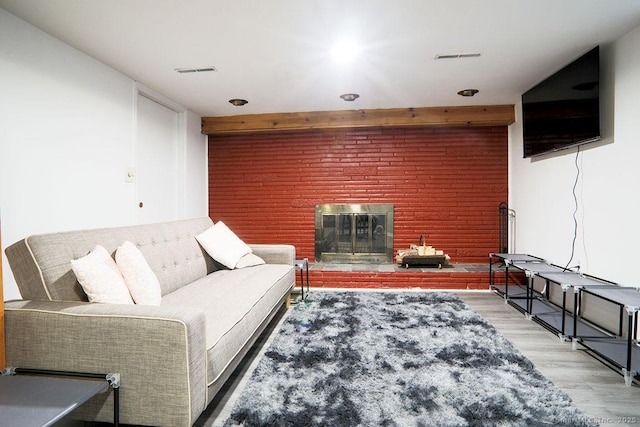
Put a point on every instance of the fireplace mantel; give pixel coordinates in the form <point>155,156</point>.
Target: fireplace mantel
<point>468,115</point>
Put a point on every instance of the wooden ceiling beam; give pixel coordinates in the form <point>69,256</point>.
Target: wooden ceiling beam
<point>481,115</point>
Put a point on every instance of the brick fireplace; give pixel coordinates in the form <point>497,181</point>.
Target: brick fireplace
<point>445,183</point>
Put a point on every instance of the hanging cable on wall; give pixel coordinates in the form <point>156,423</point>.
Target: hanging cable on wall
<point>575,211</point>
<point>584,262</point>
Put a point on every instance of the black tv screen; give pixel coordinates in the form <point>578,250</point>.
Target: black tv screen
<point>563,110</point>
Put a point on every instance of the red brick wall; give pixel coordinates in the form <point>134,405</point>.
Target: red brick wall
<point>411,278</point>
<point>445,183</point>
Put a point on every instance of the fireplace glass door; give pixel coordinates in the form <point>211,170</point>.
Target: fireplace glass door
<point>354,233</point>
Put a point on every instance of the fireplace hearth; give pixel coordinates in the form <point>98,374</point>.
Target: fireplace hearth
<point>354,233</point>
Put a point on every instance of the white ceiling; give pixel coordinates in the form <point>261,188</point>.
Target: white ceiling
<point>276,54</point>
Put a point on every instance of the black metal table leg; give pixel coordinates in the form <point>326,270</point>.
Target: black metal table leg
<point>506,281</point>
<point>628,374</point>
<point>576,303</point>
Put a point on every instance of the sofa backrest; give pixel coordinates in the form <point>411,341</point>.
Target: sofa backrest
<point>42,269</point>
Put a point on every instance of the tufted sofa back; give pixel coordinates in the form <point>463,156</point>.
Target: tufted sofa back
<point>42,269</point>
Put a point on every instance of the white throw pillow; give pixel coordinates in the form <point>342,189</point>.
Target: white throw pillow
<point>140,279</point>
<point>223,245</point>
<point>249,260</point>
<point>100,278</point>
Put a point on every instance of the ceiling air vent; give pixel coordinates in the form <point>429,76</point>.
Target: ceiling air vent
<point>195,70</point>
<point>458,56</point>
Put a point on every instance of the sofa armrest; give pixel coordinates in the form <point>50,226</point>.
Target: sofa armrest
<point>275,254</point>
<point>159,352</point>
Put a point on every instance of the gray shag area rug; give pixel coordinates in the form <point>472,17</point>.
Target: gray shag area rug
<point>346,359</point>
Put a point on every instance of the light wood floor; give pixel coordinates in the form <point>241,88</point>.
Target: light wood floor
<point>595,388</point>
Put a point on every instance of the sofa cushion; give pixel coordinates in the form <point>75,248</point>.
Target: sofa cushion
<point>100,278</point>
<point>223,245</point>
<point>141,281</point>
<point>249,260</point>
<point>235,304</point>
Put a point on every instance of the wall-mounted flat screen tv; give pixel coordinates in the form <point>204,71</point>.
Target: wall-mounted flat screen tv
<point>563,110</point>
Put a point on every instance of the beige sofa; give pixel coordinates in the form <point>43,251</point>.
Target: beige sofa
<point>173,358</point>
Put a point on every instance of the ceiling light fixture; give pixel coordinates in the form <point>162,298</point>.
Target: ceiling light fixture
<point>345,52</point>
<point>349,96</point>
<point>468,92</point>
<point>238,102</point>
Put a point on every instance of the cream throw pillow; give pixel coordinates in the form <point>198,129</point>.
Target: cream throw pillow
<point>249,260</point>
<point>223,245</point>
<point>140,279</point>
<point>100,278</point>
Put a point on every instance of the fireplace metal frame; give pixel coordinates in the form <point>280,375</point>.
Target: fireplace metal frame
<point>321,240</point>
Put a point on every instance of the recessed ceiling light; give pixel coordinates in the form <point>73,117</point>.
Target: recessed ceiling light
<point>468,92</point>
<point>238,102</point>
<point>349,96</point>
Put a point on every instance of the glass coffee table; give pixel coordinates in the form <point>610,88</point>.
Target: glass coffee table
<point>30,397</point>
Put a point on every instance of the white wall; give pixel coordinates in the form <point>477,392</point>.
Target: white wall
<point>196,186</point>
<point>67,133</point>
<point>607,191</point>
